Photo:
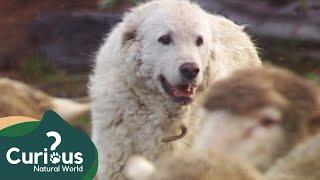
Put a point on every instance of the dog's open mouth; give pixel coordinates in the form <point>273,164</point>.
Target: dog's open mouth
<point>182,93</point>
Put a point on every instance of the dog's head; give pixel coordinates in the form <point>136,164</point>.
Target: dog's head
<point>171,48</point>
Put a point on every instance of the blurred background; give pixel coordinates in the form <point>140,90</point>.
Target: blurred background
<point>50,44</point>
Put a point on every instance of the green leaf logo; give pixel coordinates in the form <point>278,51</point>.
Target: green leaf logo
<point>47,149</point>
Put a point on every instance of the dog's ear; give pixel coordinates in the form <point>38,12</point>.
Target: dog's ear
<point>130,32</point>
<point>129,35</point>
<point>138,167</point>
<point>131,24</point>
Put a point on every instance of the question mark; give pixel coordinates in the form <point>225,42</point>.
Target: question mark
<point>57,138</point>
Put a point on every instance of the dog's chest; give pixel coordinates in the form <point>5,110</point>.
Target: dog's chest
<point>146,129</point>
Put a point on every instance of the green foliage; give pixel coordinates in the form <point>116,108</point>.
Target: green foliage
<point>35,67</point>
<point>107,3</point>
<point>83,123</point>
<point>102,4</point>
<point>312,76</point>
<point>304,5</point>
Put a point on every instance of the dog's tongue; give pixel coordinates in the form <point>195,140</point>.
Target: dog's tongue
<point>184,90</point>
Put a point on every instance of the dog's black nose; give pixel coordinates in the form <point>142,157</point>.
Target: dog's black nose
<point>189,70</point>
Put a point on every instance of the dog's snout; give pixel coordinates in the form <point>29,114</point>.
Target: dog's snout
<point>189,70</point>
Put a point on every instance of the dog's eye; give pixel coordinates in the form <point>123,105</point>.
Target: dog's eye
<point>165,39</point>
<point>199,41</point>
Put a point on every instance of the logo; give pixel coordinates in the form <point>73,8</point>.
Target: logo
<point>50,148</point>
<point>44,157</point>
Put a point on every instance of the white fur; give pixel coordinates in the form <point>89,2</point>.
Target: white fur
<point>139,167</point>
<point>131,112</point>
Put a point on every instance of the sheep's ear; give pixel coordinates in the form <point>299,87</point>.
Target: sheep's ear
<point>138,167</point>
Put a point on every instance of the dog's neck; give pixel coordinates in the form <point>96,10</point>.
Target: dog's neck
<point>171,113</point>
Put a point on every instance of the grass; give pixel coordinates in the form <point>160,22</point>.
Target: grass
<point>102,4</point>
<point>83,123</point>
<point>312,76</point>
<point>36,68</point>
<point>38,73</point>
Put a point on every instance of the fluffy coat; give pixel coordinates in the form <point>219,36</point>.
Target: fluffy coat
<point>131,113</point>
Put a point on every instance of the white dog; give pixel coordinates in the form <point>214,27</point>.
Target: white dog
<point>153,65</point>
